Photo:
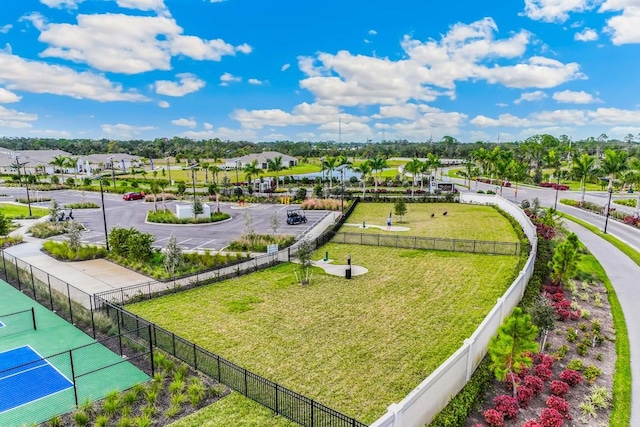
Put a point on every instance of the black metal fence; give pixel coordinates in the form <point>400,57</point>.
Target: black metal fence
<point>279,399</point>
<point>429,243</point>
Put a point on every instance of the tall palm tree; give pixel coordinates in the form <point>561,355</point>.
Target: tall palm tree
<point>60,162</point>
<point>519,173</point>
<point>275,165</point>
<point>552,160</point>
<point>329,164</point>
<point>215,170</point>
<point>614,162</point>
<point>378,164</point>
<point>72,162</point>
<point>205,166</point>
<point>502,165</point>
<point>413,167</point>
<point>363,169</point>
<point>251,171</point>
<point>583,168</point>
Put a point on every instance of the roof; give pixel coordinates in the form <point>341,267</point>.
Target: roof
<point>31,157</point>
<point>104,158</point>
<point>264,157</point>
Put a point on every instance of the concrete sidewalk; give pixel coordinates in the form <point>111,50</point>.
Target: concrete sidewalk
<point>624,274</point>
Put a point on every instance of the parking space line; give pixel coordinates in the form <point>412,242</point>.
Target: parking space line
<point>199,246</point>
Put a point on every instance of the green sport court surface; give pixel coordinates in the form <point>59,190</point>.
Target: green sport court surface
<point>54,336</point>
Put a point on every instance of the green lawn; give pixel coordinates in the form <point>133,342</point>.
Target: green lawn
<point>234,410</point>
<point>462,221</point>
<point>12,211</point>
<point>357,345</point>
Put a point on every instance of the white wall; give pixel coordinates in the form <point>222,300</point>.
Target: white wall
<point>424,402</point>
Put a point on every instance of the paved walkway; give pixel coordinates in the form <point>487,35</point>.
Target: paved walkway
<point>624,274</point>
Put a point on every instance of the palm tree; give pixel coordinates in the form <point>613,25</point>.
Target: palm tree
<point>275,165</point>
<point>363,169</point>
<point>72,162</point>
<point>519,173</point>
<point>215,170</point>
<point>378,164</point>
<point>60,162</point>
<point>502,165</point>
<point>614,162</point>
<point>330,164</point>
<point>552,160</point>
<point>413,167</point>
<point>205,166</point>
<point>251,170</point>
<point>583,168</point>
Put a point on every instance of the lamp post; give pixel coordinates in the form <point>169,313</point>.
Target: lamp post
<point>104,215</point>
<point>555,204</point>
<point>169,168</point>
<point>606,219</point>
<point>237,179</point>
<point>342,192</point>
<point>113,172</point>
<point>18,164</point>
<point>193,177</point>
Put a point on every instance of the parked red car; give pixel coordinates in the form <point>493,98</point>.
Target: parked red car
<point>133,196</point>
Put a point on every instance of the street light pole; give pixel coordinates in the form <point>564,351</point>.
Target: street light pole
<point>237,179</point>
<point>113,172</point>
<point>169,169</point>
<point>104,215</point>
<point>342,192</point>
<point>606,220</point>
<point>193,177</point>
<point>555,204</point>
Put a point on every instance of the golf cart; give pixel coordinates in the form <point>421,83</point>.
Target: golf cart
<point>296,216</point>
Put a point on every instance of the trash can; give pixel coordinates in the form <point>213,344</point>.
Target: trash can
<point>347,273</point>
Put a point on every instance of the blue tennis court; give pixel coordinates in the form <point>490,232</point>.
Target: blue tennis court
<point>25,376</point>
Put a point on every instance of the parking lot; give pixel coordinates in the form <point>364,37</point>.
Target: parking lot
<point>215,237</point>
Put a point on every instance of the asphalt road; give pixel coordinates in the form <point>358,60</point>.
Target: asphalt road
<point>127,214</point>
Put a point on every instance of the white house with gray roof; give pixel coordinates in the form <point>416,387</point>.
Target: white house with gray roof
<point>262,160</point>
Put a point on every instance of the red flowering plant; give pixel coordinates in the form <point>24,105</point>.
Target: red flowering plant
<point>571,377</point>
<point>532,423</point>
<point>493,418</point>
<point>559,388</point>
<point>524,395</point>
<point>544,359</point>
<point>508,405</point>
<point>560,405</point>
<point>551,418</point>
<point>534,383</point>
<point>543,372</point>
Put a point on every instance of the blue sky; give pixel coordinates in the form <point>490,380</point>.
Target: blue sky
<point>319,70</point>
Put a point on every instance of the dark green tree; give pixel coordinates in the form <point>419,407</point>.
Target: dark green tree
<point>400,208</point>
<point>564,263</point>
<point>543,315</point>
<point>4,225</point>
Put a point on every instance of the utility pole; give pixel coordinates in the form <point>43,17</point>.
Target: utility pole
<point>18,166</point>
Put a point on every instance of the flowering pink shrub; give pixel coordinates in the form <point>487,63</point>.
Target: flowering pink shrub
<point>543,372</point>
<point>535,384</point>
<point>544,359</point>
<point>532,423</point>
<point>632,220</point>
<point>551,418</point>
<point>524,395</point>
<point>559,388</point>
<point>557,297</point>
<point>494,418</point>
<point>560,405</point>
<point>508,405</point>
<point>571,377</point>
<point>553,289</point>
<point>563,314</point>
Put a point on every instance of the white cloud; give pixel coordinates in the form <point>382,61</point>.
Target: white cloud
<point>189,123</point>
<point>208,126</point>
<point>506,120</point>
<point>285,67</point>
<point>256,82</point>
<point>615,116</point>
<point>573,97</point>
<point>620,132</point>
<point>163,104</point>
<point>7,97</point>
<point>6,28</point>
<point>69,4</point>
<point>8,115</point>
<point>217,1</point>
<point>348,131</point>
<point>302,114</point>
<point>227,78</point>
<point>502,104</point>
<point>146,5</point>
<point>554,10</point>
<point>531,96</point>
<point>586,35</point>
<point>187,83</point>
<point>624,28</point>
<point>51,133</point>
<point>432,68</point>
<point>128,44</point>
<point>38,77</point>
<point>372,32</point>
<point>223,133</point>
<point>123,130</point>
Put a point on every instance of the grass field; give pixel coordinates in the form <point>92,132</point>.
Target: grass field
<point>234,410</point>
<point>356,346</point>
<point>12,211</point>
<point>462,221</point>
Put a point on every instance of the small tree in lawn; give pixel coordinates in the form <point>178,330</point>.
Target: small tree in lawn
<point>543,315</point>
<point>305,251</point>
<point>564,263</point>
<point>172,255</point>
<point>400,208</point>
<point>197,207</point>
<point>515,338</point>
<point>75,234</point>
<point>54,211</point>
<point>275,222</point>
<point>4,225</point>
